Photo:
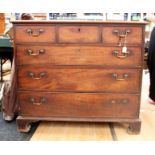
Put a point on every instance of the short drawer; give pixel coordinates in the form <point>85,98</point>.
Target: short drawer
<point>79,55</point>
<point>79,34</point>
<point>117,35</point>
<point>33,33</point>
<point>41,104</point>
<point>75,79</point>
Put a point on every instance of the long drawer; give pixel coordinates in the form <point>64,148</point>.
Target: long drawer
<point>79,55</point>
<point>48,78</point>
<point>78,105</point>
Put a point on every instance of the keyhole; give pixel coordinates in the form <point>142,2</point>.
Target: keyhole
<point>79,29</point>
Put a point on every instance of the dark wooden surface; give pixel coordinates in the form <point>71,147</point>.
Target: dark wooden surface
<point>83,80</point>
<point>79,105</point>
<point>134,36</point>
<point>77,55</point>
<point>79,34</point>
<point>48,35</point>
<point>88,22</point>
<point>69,69</point>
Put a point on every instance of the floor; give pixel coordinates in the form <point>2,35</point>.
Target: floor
<point>100,131</point>
<point>8,130</point>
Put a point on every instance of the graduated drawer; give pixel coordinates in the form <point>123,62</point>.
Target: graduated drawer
<point>79,34</point>
<point>31,33</point>
<point>75,79</point>
<point>117,35</point>
<point>79,55</point>
<point>41,104</point>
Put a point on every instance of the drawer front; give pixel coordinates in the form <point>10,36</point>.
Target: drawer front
<point>78,105</point>
<point>79,34</point>
<point>116,35</point>
<point>75,79</point>
<point>78,55</point>
<point>35,34</point>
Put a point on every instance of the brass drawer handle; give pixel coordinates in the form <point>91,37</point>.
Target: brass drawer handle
<point>32,75</point>
<point>122,101</point>
<point>115,76</point>
<point>122,55</point>
<point>113,101</point>
<point>42,100</point>
<point>34,33</point>
<point>32,53</point>
<point>122,33</point>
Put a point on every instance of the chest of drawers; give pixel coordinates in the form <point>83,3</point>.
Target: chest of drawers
<point>78,71</point>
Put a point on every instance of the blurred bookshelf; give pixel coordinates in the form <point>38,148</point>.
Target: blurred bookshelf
<point>97,16</point>
<point>83,16</point>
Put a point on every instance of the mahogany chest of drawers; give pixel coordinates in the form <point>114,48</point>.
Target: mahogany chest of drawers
<point>78,71</point>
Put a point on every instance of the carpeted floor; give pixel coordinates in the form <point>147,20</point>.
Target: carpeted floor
<point>8,131</point>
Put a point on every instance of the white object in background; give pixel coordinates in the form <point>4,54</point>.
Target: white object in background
<point>129,17</point>
<point>115,16</point>
<point>150,17</point>
<point>1,91</point>
<point>47,16</point>
<point>80,15</point>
